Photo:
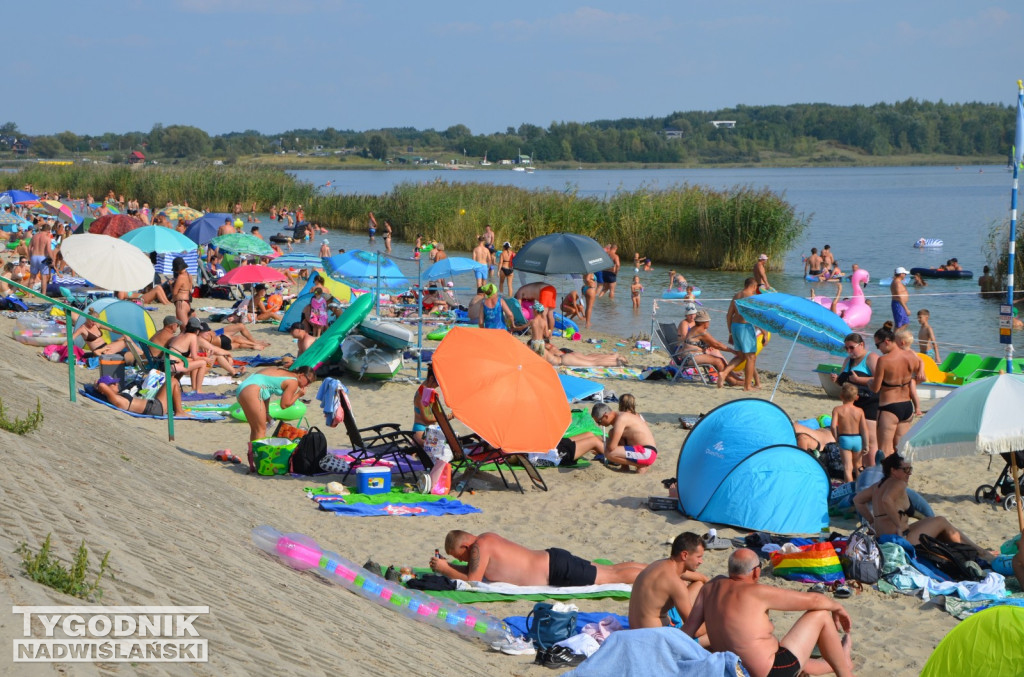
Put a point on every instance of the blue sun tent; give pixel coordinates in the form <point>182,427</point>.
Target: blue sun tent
<point>294,312</point>
<point>740,466</point>
<point>123,314</point>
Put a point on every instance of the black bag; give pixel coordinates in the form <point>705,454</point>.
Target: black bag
<point>311,448</point>
<point>831,460</point>
<point>550,626</point>
<point>949,558</point>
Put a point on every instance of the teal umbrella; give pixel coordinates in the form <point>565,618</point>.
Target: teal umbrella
<point>158,239</point>
<point>241,243</point>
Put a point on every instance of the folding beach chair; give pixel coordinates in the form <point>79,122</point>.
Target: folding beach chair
<point>681,360</point>
<point>75,301</point>
<point>471,452</point>
<point>381,442</point>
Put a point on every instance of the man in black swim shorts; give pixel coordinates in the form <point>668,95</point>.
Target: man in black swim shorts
<point>734,609</point>
<point>494,558</point>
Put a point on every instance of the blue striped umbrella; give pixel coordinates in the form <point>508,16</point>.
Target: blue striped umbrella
<point>297,260</point>
<point>800,319</point>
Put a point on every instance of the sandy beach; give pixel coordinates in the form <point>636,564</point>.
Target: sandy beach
<point>177,524</point>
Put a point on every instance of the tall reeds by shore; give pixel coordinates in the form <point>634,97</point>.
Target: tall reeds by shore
<point>678,225</point>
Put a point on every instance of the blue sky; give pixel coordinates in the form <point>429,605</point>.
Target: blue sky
<point>273,65</point>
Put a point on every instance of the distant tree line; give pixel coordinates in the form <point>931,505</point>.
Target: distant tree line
<point>907,127</point>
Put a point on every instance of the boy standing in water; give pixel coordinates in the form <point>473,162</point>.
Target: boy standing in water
<point>926,336</point>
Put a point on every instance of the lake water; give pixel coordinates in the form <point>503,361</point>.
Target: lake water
<point>870,216</point>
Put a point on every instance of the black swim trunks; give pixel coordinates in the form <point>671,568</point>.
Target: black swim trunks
<point>567,570</point>
<point>785,665</point>
<point>609,278</point>
<point>903,411</point>
<point>153,408</point>
<point>225,342</point>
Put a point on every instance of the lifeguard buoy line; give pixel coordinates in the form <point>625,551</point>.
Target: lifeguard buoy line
<point>302,552</point>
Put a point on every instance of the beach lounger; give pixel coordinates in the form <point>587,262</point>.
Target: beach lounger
<point>80,302</point>
<point>668,334</point>
<point>471,452</point>
<point>384,441</point>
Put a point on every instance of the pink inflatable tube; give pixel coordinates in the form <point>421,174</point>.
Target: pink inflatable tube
<point>302,552</point>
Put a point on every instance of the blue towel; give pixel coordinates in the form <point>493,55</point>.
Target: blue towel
<point>656,651</point>
<point>518,623</point>
<point>443,507</point>
<point>195,397</point>
<point>205,416</point>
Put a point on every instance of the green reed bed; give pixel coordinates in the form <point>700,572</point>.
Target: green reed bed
<point>684,225</point>
<point>212,188</point>
<point>679,225</point>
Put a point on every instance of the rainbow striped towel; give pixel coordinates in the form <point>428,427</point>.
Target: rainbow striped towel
<point>814,563</point>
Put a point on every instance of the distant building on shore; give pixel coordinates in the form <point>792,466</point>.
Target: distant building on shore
<point>723,124</point>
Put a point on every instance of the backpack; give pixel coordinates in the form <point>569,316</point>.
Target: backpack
<point>311,448</point>
<point>862,558</point>
<point>949,558</point>
<point>831,459</point>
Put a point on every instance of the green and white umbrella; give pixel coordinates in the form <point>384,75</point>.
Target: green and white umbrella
<point>241,243</point>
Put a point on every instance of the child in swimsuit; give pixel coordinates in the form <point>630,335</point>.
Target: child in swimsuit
<point>636,289</point>
<point>850,429</point>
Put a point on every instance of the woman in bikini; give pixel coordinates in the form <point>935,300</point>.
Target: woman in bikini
<point>254,394</point>
<point>859,369</point>
<point>181,289</point>
<point>893,379</point>
<point>887,508</point>
<point>505,270</point>
<point>589,295</point>
<point>92,335</point>
<point>697,342</point>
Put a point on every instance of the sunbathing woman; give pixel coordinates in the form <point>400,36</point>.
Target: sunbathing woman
<point>238,336</point>
<point>699,340</point>
<point>140,405</point>
<point>92,335</point>
<point>890,509</point>
<point>187,344</point>
<point>562,358</point>
<point>254,394</point>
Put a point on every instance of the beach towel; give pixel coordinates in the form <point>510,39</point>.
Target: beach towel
<point>205,416</point>
<point>518,623</point>
<point>208,380</point>
<point>195,397</point>
<point>812,563</point>
<point>393,503</point>
<point>627,373</point>
<point>961,608</point>
<point>260,361</point>
<point>657,651</point>
<point>399,509</point>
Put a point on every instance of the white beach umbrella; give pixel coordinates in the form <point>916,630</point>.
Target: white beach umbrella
<point>108,262</point>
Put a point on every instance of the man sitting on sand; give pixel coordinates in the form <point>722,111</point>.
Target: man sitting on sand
<point>735,612</point>
<point>630,442</point>
<point>667,584</point>
<point>498,559</point>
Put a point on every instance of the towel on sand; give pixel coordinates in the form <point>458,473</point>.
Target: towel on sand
<point>518,623</point>
<point>656,651</point>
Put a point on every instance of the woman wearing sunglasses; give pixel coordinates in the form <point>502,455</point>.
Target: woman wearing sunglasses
<point>887,508</point>
<point>858,369</point>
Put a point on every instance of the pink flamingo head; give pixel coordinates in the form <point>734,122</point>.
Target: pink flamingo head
<point>858,279</point>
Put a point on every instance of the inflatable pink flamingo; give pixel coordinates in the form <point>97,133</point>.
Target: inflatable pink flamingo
<point>855,311</point>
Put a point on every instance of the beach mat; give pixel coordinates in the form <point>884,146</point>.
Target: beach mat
<point>626,373</point>
<point>393,503</point>
<point>577,388</point>
<point>206,417</point>
<point>518,623</point>
<point>197,397</point>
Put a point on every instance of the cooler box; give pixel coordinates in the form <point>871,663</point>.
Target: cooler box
<point>113,365</point>
<point>373,480</point>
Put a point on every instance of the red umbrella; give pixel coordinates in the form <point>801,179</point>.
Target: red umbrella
<point>252,275</point>
<point>115,225</point>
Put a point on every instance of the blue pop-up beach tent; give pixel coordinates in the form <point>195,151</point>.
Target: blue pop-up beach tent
<point>740,466</point>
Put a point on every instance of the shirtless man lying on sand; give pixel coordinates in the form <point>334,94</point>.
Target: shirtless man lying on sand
<point>735,611</point>
<point>491,557</point>
<point>667,584</point>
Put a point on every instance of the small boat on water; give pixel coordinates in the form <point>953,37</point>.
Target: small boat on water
<point>369,360</point>
<point>942,274</point>
<point>389,334</point>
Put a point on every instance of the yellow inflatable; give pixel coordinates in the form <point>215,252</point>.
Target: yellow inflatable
<point>763,337</point>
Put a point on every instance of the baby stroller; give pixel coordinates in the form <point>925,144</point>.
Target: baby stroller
<point>1003,492</point>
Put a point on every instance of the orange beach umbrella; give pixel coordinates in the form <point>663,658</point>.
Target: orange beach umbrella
<point>501,390</point>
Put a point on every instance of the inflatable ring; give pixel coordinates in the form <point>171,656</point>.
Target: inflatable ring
<point>292,413</point>
<point>439,334</point>
<point>426,247</point>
